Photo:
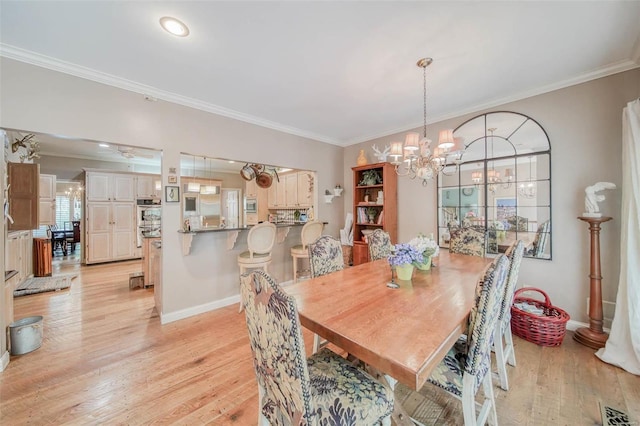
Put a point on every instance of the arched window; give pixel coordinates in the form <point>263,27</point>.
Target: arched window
<point>503,184</point>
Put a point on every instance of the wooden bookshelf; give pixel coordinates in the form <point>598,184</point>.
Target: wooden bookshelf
<point>369,210</point>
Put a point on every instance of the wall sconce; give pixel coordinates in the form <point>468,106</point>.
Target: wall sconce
<point>337,190</point>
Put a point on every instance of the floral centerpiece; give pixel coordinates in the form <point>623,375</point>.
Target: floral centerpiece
<point>403,257</point>
<point>428,247</point>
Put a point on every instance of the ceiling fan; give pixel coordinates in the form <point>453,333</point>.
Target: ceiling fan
<point>130,152</point>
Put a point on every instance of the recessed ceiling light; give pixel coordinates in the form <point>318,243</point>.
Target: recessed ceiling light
<point>231,161</point>
<point>103,145</point>
<point>174,26</point>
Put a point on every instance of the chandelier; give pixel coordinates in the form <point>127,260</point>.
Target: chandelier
<point>493,176</point>
<point>527,189</point>
<point>415,159</point>
<point>74,192</point>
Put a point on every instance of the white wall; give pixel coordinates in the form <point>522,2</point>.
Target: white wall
<point>41,100</point>
<point>584,124</point>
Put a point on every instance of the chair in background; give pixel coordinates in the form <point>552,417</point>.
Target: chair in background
<point>58,240</point>
<point>294,390</point>
<point>309,233</point>
<point>379,245</point>
<point>539,244</point>
<point>468,364</point>
<point>72,236</point>
<point>518,223</point>
<point>260,241</point>
<point>325,257</point>
<point>467,241</point>
<point>505,352</point>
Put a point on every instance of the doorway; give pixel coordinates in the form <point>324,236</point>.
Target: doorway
<point>230,207</point>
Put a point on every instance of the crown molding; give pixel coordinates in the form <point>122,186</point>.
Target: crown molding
<point>610,69</point>
<point>44,61</point>
<point>54,64</point>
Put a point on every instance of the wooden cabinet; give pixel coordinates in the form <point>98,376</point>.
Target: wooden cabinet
<point>47,200</point>
<point>104,186</point>
<point>291,190</point>
<point>19,254</point>
<point>251,189</point>
<point>7,309</point>
<point>148,186</point>
<point>155,266</point>
<point>295,190</point>
<point>375,206</point>
<point>23,180</point>
<point>150,263</point>
<point>273,196</point>
<point>305,189</point>
<point>111,231</point>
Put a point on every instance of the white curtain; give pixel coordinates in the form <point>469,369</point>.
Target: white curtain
<point>623,347</point>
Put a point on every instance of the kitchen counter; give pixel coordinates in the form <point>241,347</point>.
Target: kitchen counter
<point>232,234</point>
<point>245,228</point>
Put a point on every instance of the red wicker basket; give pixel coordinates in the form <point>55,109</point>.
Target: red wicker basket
<point>545,330</point>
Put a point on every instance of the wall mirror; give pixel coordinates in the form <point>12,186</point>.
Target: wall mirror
<point>503,184</point>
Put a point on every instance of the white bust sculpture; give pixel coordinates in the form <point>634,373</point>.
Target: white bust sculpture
<point>592,199</point>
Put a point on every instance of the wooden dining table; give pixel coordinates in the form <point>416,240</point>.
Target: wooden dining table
<point>402,332</point>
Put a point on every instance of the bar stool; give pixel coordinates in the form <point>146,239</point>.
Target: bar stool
<point>310,232</point>
<point>260,241</point>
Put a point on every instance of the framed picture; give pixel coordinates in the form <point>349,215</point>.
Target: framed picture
<point>172,194</point>
<point>505,207</point>
<point>172,179</point>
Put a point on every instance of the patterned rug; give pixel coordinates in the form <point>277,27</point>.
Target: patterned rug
<point>41,284</point>
<point>614,417</point>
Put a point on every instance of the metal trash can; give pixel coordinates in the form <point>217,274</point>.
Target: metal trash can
<point>25,335</point>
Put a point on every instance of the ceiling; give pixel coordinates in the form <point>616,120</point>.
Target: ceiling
<point>337,72</point>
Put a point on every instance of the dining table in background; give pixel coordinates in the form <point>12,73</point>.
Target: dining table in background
<point>402,332</point>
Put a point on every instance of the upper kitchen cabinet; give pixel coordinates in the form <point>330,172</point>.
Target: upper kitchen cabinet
<point>294,190</point>
<point>305,189</point>
<point>251,189</point>
<point>47,200</point>
<point>104,186</point>
<point>23,180</point>
<point>148,186</point>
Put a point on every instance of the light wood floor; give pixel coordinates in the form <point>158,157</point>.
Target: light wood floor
<point>106,359</point>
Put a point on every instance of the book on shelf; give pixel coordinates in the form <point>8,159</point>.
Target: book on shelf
<point>380,220</point>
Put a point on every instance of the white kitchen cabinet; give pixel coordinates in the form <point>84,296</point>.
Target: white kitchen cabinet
<point>19,254</point>
<point>104,186</point>
<point>305,189</point>
<point>111,231</point>
<point>148,186</point>
<point>47,200</point>
<point>295,190</point>
<point>291,190</point>
<point>272,196</point>
<point>251,189</point>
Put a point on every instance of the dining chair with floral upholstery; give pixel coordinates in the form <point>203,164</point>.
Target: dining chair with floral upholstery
<point>325,257</point>
<point>468,364</point>
<point>467,241</point>
<point>379,245</point>
<point>324,389</point>
<point>504,350</point>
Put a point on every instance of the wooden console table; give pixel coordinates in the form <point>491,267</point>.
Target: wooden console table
<point>593,336</point>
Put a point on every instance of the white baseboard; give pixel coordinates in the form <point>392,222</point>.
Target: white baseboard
<point>574,325</point>
<point>207,307</point>
<point>200,309</point>
<point>4,360</point>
